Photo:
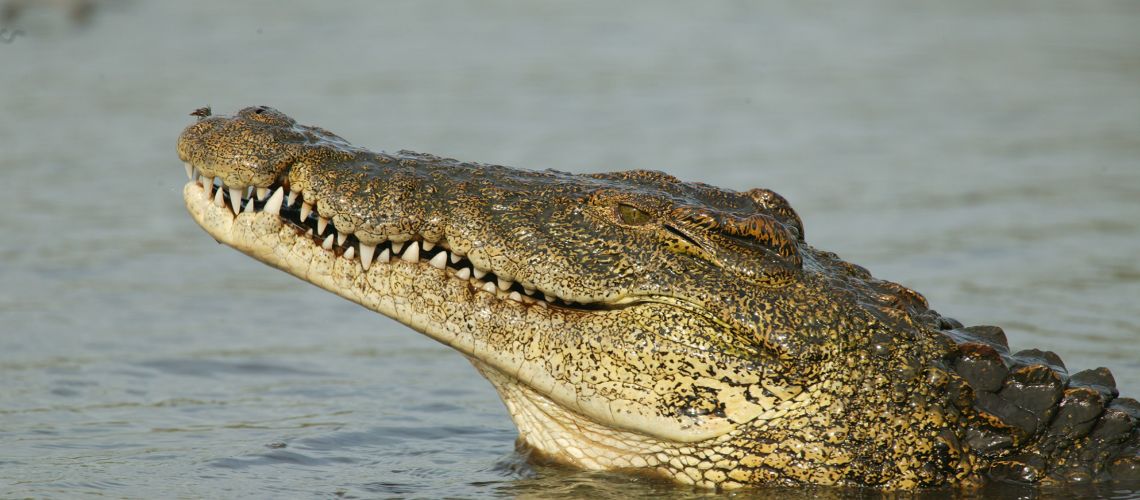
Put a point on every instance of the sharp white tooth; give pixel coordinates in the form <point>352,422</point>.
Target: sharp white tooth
<point>479,273</point>
<point>219,198</point>
<point>463,274</point>
<point>189,169</point>
<point>541,303</point>
<point>547,298</point>
<point>439,261</point>
<point>262,193</point>
<point>428,245</point>
<point>208,185</point>
<point>306,209</point>
<point>322,223</point>
<point>350,253</point>
<point>489,287</point>
<point>291,198</point>
<point>385,256</point>
<point>249,205</point>
<point>273,206</point>
<point>366,253</point>
<point>504,284</point>
<point>515,296</point>
<point>455,258</point>
<point>327,244</point>
<point>528,290</point>
<point>397,247</point>
<point>412,254</point>
<point>235,199</point>
<point>341,236</point>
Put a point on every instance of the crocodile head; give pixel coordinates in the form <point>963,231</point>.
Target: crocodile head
<point>628,320</point>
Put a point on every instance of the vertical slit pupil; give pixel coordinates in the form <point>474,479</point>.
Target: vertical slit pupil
<point>632,215</point>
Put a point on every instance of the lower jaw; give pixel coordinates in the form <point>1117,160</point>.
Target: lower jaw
<point>413,293</point>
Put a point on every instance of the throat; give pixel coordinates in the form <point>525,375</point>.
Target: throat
<point>562,436</point>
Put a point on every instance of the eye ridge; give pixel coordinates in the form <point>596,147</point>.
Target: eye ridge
<point>631,215</point>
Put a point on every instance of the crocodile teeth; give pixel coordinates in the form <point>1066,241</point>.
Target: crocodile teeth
<point>366,252</point>
<point>439,261</point>
<point>235,199</point>
<point>412,254</point>
<point>219,198</point>
<point>208,185</point>
<point>189,169</point>
<point>249,198</point>
<point>273,206</point>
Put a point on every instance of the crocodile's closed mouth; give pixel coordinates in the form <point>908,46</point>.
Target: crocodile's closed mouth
<point>294,210</point>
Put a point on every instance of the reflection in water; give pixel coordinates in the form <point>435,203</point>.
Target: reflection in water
<point>983,154</point>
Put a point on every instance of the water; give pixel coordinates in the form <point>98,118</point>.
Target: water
<point>984,154</point>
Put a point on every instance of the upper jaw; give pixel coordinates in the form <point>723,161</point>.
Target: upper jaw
<point>297,212</point>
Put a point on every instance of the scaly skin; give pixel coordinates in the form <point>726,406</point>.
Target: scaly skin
<point>687,331</point>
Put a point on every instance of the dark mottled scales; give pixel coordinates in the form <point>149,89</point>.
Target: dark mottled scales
<point>982,366</point>
<point>1099,379</point>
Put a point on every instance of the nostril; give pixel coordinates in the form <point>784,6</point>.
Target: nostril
<point>202,112</point>
<point>259,111</point>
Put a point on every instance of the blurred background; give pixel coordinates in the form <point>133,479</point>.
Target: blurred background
<point>986,154</point>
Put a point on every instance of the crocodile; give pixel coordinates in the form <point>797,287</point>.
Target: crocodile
<point>634,322</point>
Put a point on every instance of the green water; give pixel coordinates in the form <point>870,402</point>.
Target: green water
<point>986,154</point>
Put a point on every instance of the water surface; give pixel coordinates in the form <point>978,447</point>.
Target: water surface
<point>984,154</point>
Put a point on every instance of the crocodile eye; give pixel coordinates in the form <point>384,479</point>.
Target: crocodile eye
<point>632,215</point>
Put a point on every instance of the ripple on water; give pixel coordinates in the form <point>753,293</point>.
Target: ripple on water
<point>214,367</point>
<point>279,457</point>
